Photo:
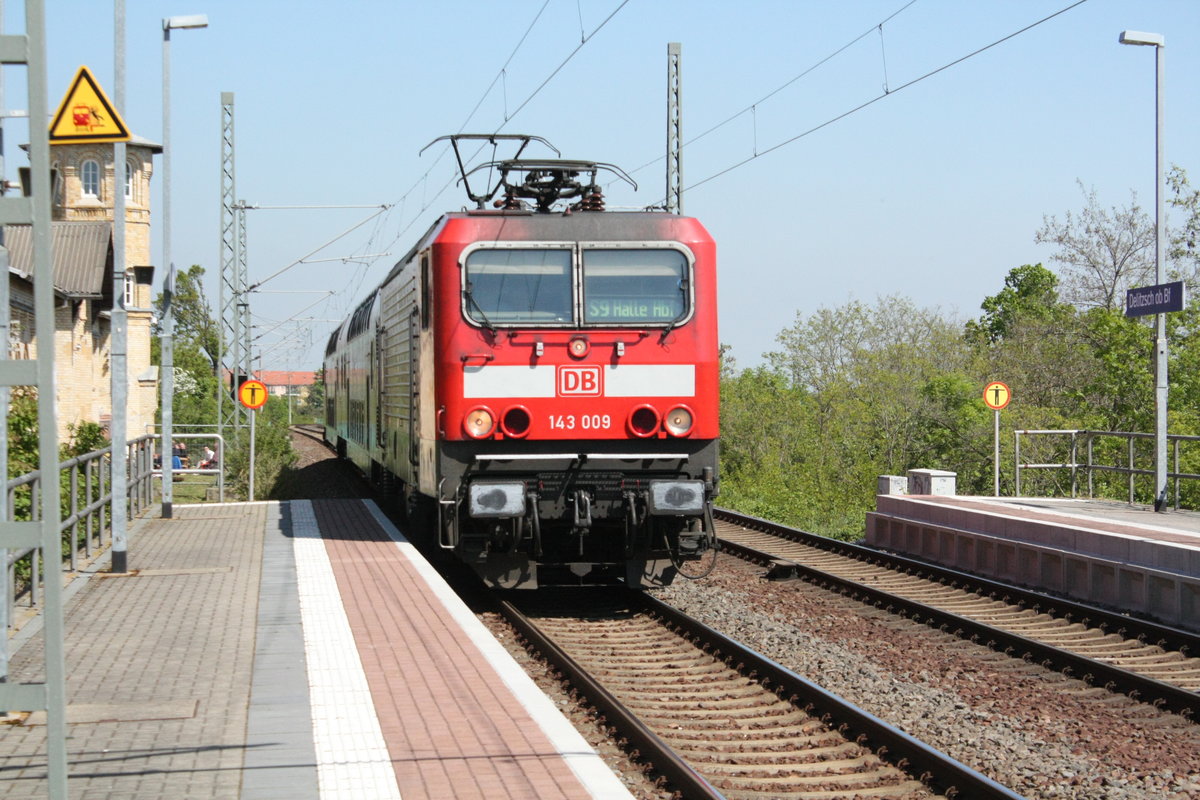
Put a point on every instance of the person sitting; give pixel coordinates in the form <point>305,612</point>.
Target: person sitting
<point>209,460</point>
<point>179,458</point>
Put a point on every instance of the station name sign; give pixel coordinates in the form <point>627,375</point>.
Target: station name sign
<point>1154,299</point>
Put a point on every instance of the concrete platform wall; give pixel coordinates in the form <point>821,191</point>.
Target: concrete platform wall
<point>1157,579</point>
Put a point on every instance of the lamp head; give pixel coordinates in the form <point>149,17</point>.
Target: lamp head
<point>1137,37</point>
<point>190,21</point>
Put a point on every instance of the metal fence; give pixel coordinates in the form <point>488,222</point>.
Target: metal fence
<point>1074,445</point>
<point>87,512</point>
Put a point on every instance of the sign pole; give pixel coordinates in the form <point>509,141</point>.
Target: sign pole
<point>996,456</point>
<point>250,491</point>
<point>1159,300</point>
<point>253,395</point>
<point>996,395</point>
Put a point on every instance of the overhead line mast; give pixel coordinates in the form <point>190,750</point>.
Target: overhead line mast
<point>674,129</point>
<point>232,284</point>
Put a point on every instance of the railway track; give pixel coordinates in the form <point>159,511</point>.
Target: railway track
<point>1146,661</point>
<point>718,720</point>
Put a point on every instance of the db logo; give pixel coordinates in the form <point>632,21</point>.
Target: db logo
<point>579,381</point>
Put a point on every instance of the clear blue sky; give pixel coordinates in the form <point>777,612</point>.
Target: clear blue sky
<point>934,192</point>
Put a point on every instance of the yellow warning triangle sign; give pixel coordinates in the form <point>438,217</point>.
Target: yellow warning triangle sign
<point>85,114</point>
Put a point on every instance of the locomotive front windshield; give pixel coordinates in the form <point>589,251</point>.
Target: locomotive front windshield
<point>616,286</point>
<point>634,286</point>
<point>519,286</point>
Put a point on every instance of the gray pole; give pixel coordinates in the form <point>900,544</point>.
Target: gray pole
<point>250,486</point>
<point>167,337</point>
<point>1160,320</point>
<point>996,456</point>
<point>118,435</point>
<point>5,324</point>
<point>674,128</point>
<point>167,382</point>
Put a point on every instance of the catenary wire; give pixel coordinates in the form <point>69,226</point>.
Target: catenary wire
<point>881,96</point>
<point>752,106</point>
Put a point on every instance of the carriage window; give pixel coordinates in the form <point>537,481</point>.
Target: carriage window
<point>634,286</point>
<point>511,285</point>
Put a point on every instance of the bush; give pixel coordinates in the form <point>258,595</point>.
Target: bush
<point>273,452</point>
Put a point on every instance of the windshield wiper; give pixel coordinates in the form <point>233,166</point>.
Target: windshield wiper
<point>671,325</point>
<point>487,323</point>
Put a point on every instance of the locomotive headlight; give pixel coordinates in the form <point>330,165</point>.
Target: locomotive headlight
<point>675,498</point>
<point>678,421</point>
<point>479,422</point>
<point>578,347</point>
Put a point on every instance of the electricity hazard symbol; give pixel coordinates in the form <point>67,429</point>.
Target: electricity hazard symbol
<point>85,114</point>
<point>253,394</point>
<point>997,395</point>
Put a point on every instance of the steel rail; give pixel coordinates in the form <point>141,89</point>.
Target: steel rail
<point>1138,687</point>
<point>936,769</point>
<point>1164,636</point>
<point>648,746</point>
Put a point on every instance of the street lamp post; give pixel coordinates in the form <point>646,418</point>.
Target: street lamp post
<point>168,324</point>
<point>1156,41</point>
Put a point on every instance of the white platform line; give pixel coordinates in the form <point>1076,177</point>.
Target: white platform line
<point>352,756</point>
<point>600,781</point>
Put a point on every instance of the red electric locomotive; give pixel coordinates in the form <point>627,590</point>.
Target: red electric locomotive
<point>540,380</point>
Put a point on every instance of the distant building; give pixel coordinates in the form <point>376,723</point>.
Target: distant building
<point>281,383</point>
<point>84,182</point>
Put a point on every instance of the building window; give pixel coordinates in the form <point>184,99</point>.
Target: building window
<point>130,189</point>
<point>89,176</point>
<point>130,291</point>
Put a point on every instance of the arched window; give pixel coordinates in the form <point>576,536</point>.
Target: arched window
<point>130,186</point>
<point>56,183</point>
<point>89,176</point>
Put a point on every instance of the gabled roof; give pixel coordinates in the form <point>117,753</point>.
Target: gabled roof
<point>82,255</point>
<point>278,377</point>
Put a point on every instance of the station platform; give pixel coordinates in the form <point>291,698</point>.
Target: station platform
<point>1122,556</point>
<point>299,650</point>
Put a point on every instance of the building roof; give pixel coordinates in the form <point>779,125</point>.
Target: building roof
<point>134,140</point>
<point>278,377</point>
<point>82,255</point>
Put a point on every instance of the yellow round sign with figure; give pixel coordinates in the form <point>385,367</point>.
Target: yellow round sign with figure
<point>996,395</point>
<point>253,394</point>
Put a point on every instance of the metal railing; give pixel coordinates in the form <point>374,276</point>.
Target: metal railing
<point>217,470</point>
<point>87,495</point>
<point>1088,439</point>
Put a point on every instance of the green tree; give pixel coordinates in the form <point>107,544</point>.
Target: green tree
<point>314,404</point>
<point>1102,252</point>
<point>1185,240</point>
<point>856,377</point>
<point>195,351</point>
<point>1030,292</point>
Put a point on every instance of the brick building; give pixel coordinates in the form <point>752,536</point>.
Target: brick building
<point>84,182</point>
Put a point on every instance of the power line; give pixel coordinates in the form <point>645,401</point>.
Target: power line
<point>750,109</point>
<point>885,93</point>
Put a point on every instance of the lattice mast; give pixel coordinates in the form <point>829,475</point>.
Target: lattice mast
<point>232,284</point>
